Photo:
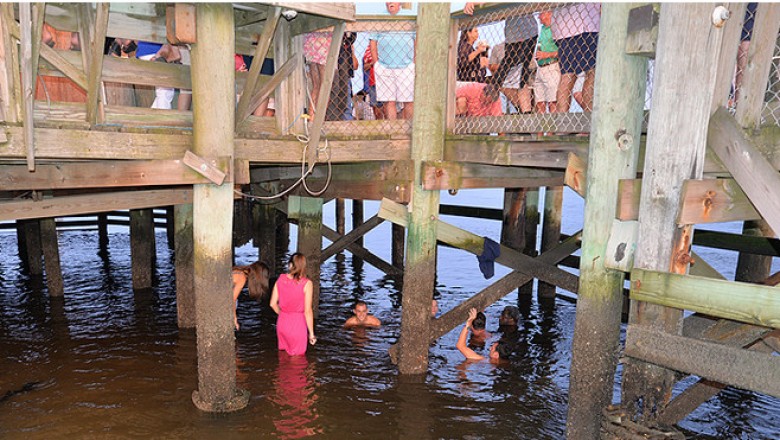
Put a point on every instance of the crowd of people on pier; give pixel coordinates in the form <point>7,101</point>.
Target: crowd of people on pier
<point>522,59</point>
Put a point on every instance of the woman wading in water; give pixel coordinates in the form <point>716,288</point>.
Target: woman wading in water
<point>256,276</point>
<point>291,299</point>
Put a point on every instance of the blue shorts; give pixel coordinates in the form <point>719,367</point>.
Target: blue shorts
<point>578,53</point>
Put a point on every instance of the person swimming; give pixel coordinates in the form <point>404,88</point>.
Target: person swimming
<point>361,317</point>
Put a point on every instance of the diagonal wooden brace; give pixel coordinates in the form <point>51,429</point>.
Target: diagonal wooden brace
<point>206,168</point>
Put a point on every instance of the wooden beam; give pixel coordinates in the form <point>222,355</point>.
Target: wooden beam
<point>208,168</point>
<point>472,243</point>
<point>97,174</point>
<point>750,303</point>
<point>93,203</point>
<point>439,175</point>
<point>326,85</point>
<point>269,28</point>
<point>756,73</point>
<point>268,87</point>
<point>353,235</point>
<point>340,11</point>
<point>703,201</point>
<point>512,152</point>
<point>749,370</point>
<point>38,9</point>
<point>69,70</point>
<point>757,245</point>
<point>10,82</point>
<point>750,169</point>
<point>642,31</point>
<point>28,76</point>
<point>95,68</point>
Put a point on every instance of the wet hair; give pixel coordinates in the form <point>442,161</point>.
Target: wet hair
<point>297,266</point>
<point>479,321</point>
<point>511,312</point>
<point>358,303</point>
<point>257,275</point>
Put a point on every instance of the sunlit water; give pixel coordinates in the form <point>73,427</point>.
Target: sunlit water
<point>107,362</point>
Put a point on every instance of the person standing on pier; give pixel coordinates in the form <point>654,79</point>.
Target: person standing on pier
<point>291,299</point>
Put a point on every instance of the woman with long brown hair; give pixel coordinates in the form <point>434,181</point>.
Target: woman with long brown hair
<point>255,276</point>
<point>291,299</point>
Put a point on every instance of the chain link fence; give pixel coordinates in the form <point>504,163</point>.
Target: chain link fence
<point>527,68</point>
<point>373,86</point>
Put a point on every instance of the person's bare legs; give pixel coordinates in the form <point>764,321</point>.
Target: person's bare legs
<point>587,90</point>
<point>390,111</point>
<point>408,110</point>
<point>184,101</point>
<point>741,64</point>
<point>564,92</point>
<point>315,78</point>
<point>525,99</point>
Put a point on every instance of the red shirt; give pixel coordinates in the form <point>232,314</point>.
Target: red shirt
<point>367,59</point>
<point>473,94</point>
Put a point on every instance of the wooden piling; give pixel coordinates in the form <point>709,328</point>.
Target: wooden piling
<point>32,244</point>
<point>614,147</point>
<point>531,227</point>
<point>340,220</point>
<point>102,226</point>
<point>551,231</point>
<point>513,234</point>
<point>51,257</point>
<point>308,211</point>
<point>398,235</point>
<point>142,247</point>
<point>675,152</point>
<point>213,93</point>
<point>428,129</point>
<point>170,227</point>
<point>264,223</point>
<point>357,220</point>
<point>185,278</point>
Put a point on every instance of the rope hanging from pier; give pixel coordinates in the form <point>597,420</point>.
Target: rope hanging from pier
<point>304,139</point>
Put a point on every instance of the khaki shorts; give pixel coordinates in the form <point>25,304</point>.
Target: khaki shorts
<point>548,77</point>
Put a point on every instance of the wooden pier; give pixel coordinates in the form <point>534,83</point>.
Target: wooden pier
<point>649,179</point>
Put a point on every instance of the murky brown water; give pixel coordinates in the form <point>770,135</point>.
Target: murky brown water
<point>107,362</point>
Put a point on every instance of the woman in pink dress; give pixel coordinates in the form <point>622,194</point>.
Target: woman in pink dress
<point>291,299</point>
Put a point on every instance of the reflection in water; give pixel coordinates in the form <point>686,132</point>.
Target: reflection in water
<point>295,396</point>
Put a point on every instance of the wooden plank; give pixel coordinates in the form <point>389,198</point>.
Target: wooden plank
<point>10,86</point>
<point>266,88</point>
<point>353,235</point>
<point>498,151</point>
<point>757,245</point>
<point>439,175</point>
<point>98,174</point>
<point>207,168</point>
<point>703,201</point>
<point>38,9</point>
<point>759,60</point>
<point>745,369</point>
<point>94,203</point>
<point>621,245</point>
<point>337,10</point>
<point>26,43</point>
<point>472,243</point>
<point>576,170</point>
<point>750,169</point>
<point>642,31</point>
<point>184,24</point>
<point>743,302</point>
<point>291,98</point>
<point>326,84</point>
<point>95,69</point>
<point>242,110</point>
<point>69,70</point>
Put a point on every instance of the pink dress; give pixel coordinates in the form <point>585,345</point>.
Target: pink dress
<point>291,327</point>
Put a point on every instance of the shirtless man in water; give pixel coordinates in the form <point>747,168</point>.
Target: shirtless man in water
<point>361,317</point>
